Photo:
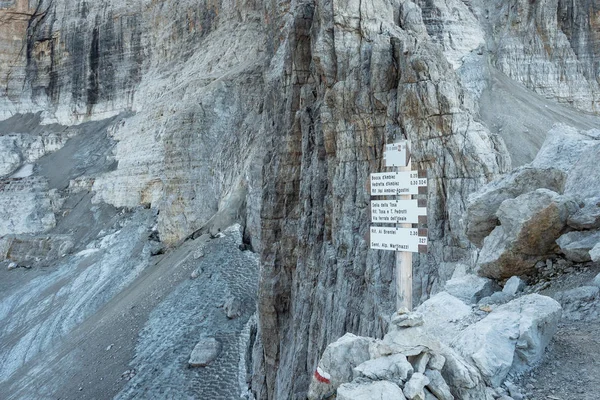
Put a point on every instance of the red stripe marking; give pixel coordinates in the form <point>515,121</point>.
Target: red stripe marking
<point>321,379</point>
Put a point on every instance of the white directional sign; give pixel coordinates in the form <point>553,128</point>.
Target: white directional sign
<point>397,211</point>
<point>396,154</point>
<point>396,183</point>
<point>397,239</point>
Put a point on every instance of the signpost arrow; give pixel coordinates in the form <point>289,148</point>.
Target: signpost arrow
<point>397,183</point>
<point>398,239</point>
<point>397,211</point>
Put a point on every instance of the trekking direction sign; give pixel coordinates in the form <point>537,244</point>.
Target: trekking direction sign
<point>398,183</point>
<point>398,239</point>
<point>396,154</point>
<point>399,211</point>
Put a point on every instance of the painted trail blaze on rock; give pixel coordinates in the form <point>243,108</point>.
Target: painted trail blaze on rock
<point>322,376</point>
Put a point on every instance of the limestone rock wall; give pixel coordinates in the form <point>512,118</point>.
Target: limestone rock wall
<point>356,74</point>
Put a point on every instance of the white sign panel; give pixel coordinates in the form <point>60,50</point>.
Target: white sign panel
<point>397,239</point>
<point>396,183</point>
<point>396,154</point>
<point>396,211</point>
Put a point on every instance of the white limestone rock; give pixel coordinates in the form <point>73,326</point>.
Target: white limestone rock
<point>563,147</point>
<point>471,288</point>
<point>595,253</point>
<point>513,285</point>
<point>380,390</point>
<point>420,361</point>
<point>405,320</point>
<point>576,246</point>
<point>413,389</point>
<point>436,362</point>
<point>530,225</point>
<point>512,337</point>
<point>438,386</point>
<point>205,352</point>
<point>338,362</point>
<point>583,180</point>
<point>395,368</point>
<point>483,205</point>
<point>587,217</point>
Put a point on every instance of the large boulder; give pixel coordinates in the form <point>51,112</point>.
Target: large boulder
<point>563,147</point>
<point>482,206</point>
<point>338,362</point>
<point>576,246</point>
<point>530,225</point>
<point>512,337</point>
<point>471,288</point>
<point>383,390</point>
<point>583,180</point>
<point>443,314</point>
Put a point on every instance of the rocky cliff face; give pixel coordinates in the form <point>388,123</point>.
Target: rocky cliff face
<point>274,113</point>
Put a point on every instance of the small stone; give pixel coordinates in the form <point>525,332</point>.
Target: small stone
<point>436,362</point>
<point>198,253</point>
<point>513,285</point>
<point>438,386</point>
<point>414,388</point>
<point>597,280</point>
<point>205,352</point>
<point>195,273</point>
<point>12,265</point>
<point>514,390</point>
<point>577,246</point>
<point>391,368</point>
<point>408,320</point>
<point>420,362</point>
<point>110,346</point>
<point>595,253</point>
<point>233,307</point>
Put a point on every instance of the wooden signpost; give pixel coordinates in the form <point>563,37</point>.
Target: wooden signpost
<point>403,211</point>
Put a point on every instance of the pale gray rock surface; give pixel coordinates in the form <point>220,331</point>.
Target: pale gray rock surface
<point>530,225</point>
<point>484,204</point>
<point>438,386</point>
<point>513,285</point>
<point>583,179</point>
<point>512,337</point>
<point>595,253</point>
<point>394,368</point>
<point>408,319</point>
<point>576,246</point>
<point>471,288</point>
<point>413,389</point>
<point>563,147</point>
<point>587,217</point>
<point>338,362</point>
<point>383,390</point>
<point>205,352</point>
